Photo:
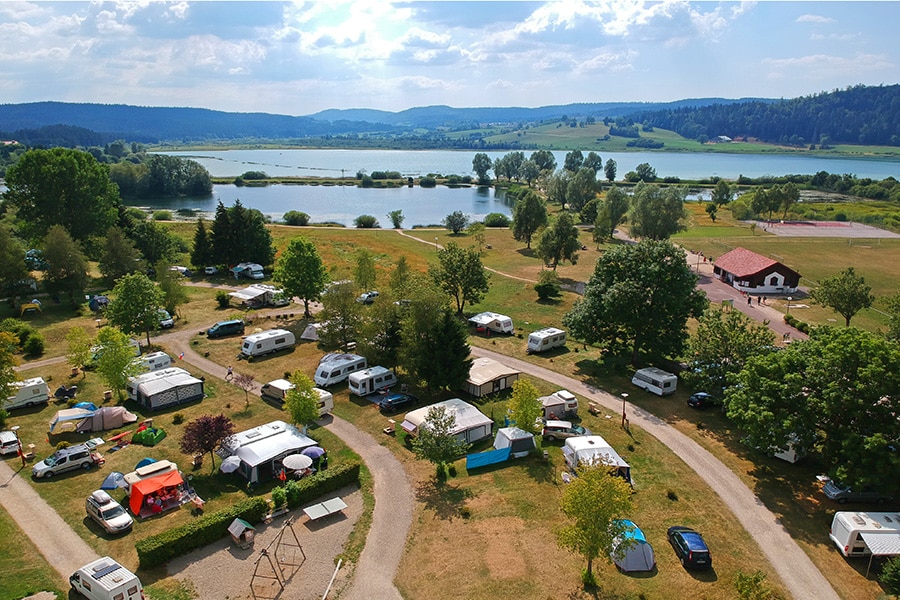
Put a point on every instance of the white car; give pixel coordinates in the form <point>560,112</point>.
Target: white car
<point>211,270</point>
<point>368,297</point>
<point>108,513</point>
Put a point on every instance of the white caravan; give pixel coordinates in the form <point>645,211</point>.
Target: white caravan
<point>369,381</point>
<point>105,579</point>
<point>154,361</point>
<point>266,342</point>
<point>866,533</point>
<point>560,404</point>
<point>335,367</point>
<point>27,393</point>
<point>546,339</point>
<point>655,380</point>
<point>278,389</point>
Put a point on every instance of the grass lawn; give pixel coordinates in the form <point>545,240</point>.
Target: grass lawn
<point>23,570</point>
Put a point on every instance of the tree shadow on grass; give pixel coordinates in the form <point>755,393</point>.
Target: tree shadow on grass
<point>446,500</point>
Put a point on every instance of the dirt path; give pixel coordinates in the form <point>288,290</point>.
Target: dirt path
<point>801,577</point>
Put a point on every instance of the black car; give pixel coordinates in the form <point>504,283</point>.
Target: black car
<point>690,547</point>
<point>394,402</point>
<point>702,400</point>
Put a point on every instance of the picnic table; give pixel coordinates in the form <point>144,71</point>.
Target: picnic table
<point>323,509</point>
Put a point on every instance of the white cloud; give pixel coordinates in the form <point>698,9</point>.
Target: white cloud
<point>823,66</point>
<point>807,18</point>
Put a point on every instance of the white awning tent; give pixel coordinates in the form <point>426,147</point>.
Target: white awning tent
<point>881,543</point>
<point>471,424</point>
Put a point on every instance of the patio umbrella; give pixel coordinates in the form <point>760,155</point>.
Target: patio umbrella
<point>230,464</point>
<point>313,452</point>
<point>113,480</point>
<point>297,462</point>
<point>144,462</point>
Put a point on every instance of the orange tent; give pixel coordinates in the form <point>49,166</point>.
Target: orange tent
<point>140,489</point>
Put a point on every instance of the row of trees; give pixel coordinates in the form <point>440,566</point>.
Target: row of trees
<point>237,235</point>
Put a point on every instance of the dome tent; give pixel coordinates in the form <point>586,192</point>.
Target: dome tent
<point>636,554</point>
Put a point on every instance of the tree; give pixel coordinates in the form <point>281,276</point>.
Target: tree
<point>302,401</point>
<point>582,188</point>
<point>559,241</point>
<point>514,162</point>
<point>845,293</point>
<point>12,262</point>
<point>574,160</point>
<point>657,213</point>
<point>544,160</point>
<point>435,440</point>
<point>789,196</point>
<point>611,212</point>
<point>364,270</point>
<point>400,277</point>
<point>529,215</point>
<point>645,172</point>
<point>456,221</point>
<point>300,272</point>
<point>434,348</point>
<point>135,305</point>
<point>79,345</point>
<point>557,187</point>
<point>460,274</point>
<point>62,187</point>
<point>245,382</point>
<point>893,309</point>
<point>171,285</point>
<point>8,344</point>
<point>597,503</point>
<point>119,257</point>
<point>341,316</point>
<point>295,218</point>
<point>530,171</point>
<point>67,270</point>
<point>225,242</point>
<point>202,253</point>
<point>379,338</point>
<point>712,210</point>
<point>524,406</point>
<point>366,222</point>
<point>836,393</point>
<point>609,169</point>
<point>476,230</point>
<point>154,241</point>
<point>481,164</point>
<point>722,194</point>
<point>396,217</point>
<point>593,162</point>
<point>240,235</point>
<point>205,434</point>
<point>639,299</point>
<point>115,358</point>
<point>721,345</point>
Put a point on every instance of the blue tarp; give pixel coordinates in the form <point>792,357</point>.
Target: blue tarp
<point>483,459</point>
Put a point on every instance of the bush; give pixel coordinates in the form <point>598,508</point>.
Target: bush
<point>308,489</point>
<point>496,220</point>
<point>279,497</point>
<point>20,329</point>
<point>254,175</point>
<point>296,218</point>
<point>428,182</point>
<point>222,299</point>
<point>547,286</point>
<point>177,419</point>
<point>162,215</point>
<point>158,549</point>
<point>890,575</point>
<point>34,345</point>
<point>62,445</point>
<point>367,182</point>
<point>366,222</point>
<point>4,415</point>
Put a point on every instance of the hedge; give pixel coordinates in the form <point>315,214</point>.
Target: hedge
<point>157,549</point>
<point>308,489</point>
<point>801,326</point>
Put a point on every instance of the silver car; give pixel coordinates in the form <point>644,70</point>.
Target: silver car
<point>560,430</point>
<point>108,513</point>
<point>842,494</point>
<point>77,456</point>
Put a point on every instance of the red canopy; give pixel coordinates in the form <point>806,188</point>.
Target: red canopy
<point>140,489</point>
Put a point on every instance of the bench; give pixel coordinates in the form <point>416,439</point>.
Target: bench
<point>323,509</point>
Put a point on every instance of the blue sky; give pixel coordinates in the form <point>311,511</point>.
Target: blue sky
<point>301,57</point>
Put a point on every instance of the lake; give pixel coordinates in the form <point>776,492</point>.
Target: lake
<point>420,206</point>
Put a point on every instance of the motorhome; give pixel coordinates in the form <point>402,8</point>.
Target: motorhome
<point>266,342</point>
<point>369,381</point>
<point>336,367</point>
<point>546,339</point>
<point>154,361</point>
<point>277,390</point>
<point>866,533</point>
<point>655,380</point>
<point>27,393</point>
<point>105,579</point>
<point>559,404</point>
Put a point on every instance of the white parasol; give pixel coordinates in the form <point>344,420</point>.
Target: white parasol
<point>230,464</point>
<point>297,462</point>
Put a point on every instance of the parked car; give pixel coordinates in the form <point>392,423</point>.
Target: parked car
<point>702,400</point>
<point>394,402</point>
<point>108,513</point>
<point>211,270</point>
<point>9,442</point>
<point>367,297</point>
<point>689,547</point>
<point>165,319</point>
<point>842,494</point>
<point>560,430</point>
<point>77,456</point>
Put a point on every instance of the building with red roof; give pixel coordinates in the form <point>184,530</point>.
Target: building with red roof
<point>755,274</point>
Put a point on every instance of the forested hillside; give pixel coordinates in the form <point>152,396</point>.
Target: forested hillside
<point>857,115</point>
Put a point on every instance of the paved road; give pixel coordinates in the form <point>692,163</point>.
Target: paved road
<point>801,577</point>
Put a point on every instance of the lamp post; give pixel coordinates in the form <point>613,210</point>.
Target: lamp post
<point>624,400</point>
<point>15,430</point>
<point>789,305</point>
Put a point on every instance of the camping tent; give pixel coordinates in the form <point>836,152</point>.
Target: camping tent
<point>68,419</point>
<point>311,332</point>
<point>519,441</point>
<point>636,555</point>
<point>107,417</point>
<point>140,489</point>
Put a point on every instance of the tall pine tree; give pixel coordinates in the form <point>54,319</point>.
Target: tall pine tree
<point>202,254</point>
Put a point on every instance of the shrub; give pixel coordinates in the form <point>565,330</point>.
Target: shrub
<point>428,182</point>
<point>890,575</point>
<point>162,215</point>
<point>251,175</point>
<point>840,217</point>
<point>367,182</point>
<point>496,220</point>
<point>547,286</point>
<point>62,445</point>
<point>157,549</point>
<point>366,222</point>
<point>296,218</point>
<point>309,488</point>
<point>279,497</point>
<point>177,419</point>
<point>671,495</point>
<point>4,415</point>
<point>34,345</point>
<point>222,299</point>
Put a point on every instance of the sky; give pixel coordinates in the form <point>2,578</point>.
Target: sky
<point>297,58</point>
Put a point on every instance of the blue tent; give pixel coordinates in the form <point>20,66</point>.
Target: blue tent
<point>144,462</point>
<point>637,554</point>
<point>113,480</point>
<point>86,405</point>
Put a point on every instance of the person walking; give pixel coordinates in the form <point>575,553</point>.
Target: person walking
<point>230,374</point>
<point>749,300</point>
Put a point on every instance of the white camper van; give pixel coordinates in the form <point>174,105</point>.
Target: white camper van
<point>27,393</point>
<point>655,380</point>
<point>855,533</point>
<point>105,579</point>
<point>335,367</point>
<point>546,339</point>
<point>559,404</point>
<point>154,361</point>
<point>266,342</point>
<point>278,389</point>
<point>369,381</point>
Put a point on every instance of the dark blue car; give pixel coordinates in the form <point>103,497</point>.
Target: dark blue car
<point>690,547</point>
<point>394,402</point>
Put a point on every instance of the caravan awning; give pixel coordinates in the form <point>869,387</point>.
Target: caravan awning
<point>882,543</point>
<point>140,489</point>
